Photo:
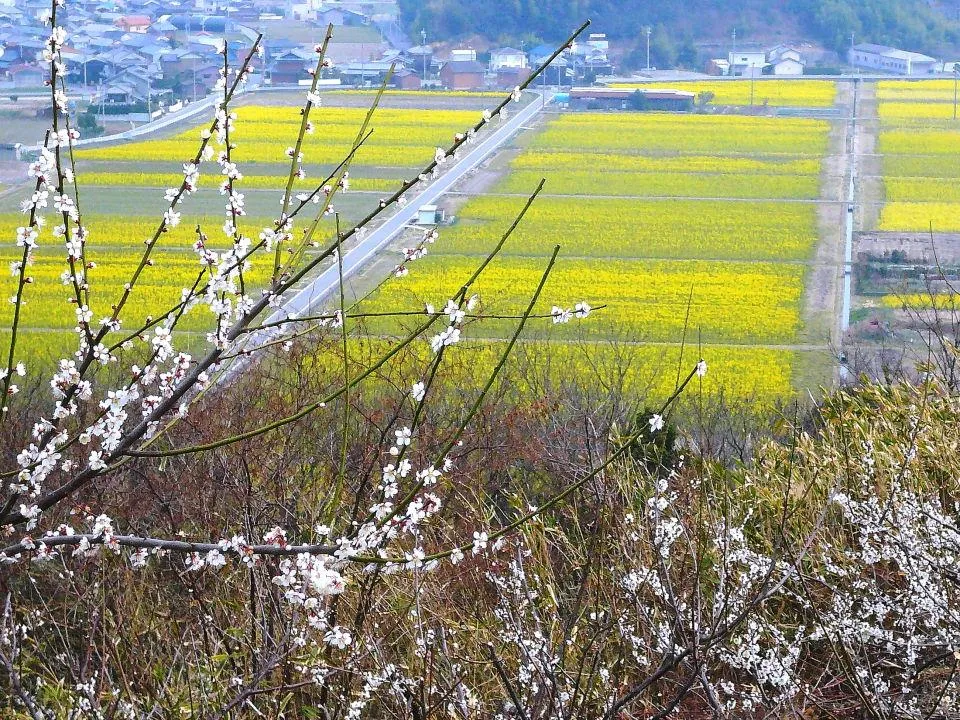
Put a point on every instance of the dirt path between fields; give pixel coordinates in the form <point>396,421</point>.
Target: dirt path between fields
<point>821,301</point>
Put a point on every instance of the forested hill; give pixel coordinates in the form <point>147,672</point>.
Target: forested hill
<point>924,25</point>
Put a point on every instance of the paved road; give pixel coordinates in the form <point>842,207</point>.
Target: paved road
<point>164,121</point>
<point>307,299</point>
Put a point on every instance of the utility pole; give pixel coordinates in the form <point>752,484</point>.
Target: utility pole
<point>423,46</point>
<point>956,76</point>
<point>649,30</point>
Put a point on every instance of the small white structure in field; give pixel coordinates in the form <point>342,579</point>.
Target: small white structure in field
<point>429,215</point>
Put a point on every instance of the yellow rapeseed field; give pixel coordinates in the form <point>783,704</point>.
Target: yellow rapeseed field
<point>553,161</point>
<point>401,138</point>
<point>213,180</point>
<point>599,227</point>
<point>717,135</point>
<point>645,371</point>
<point>899,189</point>
<point>679,184</point>
<point>799,93</point>
<point>919,141</point>
<point>918,216</point>
<point>944,301</point>
<point>48,300</point>
<point>915,90</point>
<point>732,302</point>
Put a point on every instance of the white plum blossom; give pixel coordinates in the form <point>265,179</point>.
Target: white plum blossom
<point>656,422</point>
<point>418,391</point>
<point>338,637</point>
<point>480,540</point>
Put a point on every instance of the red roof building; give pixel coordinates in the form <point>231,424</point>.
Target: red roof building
<point>134,23</point>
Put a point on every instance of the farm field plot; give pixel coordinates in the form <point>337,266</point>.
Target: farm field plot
<point>642,370</point>
<point>915,90</point>
<point>740,266</point>
<point>677,184</point>
<point>115,247</point>
<point>401,138</point>
<point>732,302</point>
<point>918,141</point>
<point>791,93</point>
<point>128,180</point>
<point>259,182</point>
<point>612,228</point>
<point>718,136</point>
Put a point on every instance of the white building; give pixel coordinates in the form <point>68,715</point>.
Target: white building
<point>784,60</point>
<point>890,60</point>
<point>747,63</point>
<point>463,55</point>
<point>507,59</point>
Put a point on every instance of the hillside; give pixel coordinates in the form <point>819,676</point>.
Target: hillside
<point>679,24</point>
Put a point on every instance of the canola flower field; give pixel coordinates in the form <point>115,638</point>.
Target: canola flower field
<point>645,371</point>
<point>615,228</point>
<point>405,139</point>
<point>116,253</point>
<point>259,182</point>
<point>652,211</point>
<point>919,141</point>
<point>786,93</point>
<point>781,139</point>
<point>401,138</point>
<point>738,264</point>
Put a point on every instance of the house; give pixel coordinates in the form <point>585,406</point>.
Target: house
<point>341,53</point>
<point>509,78</point>
<point>290,67</point>
<point>784,60</point>
<point>27,76</point>
<point>747,63</point>
<point>882,58</point>
<point>339,17</point>
<point>134,23</point>
<point>556,72</point>
<point>507,58</point>
<point>198,81</point>
<point>404,79</point>
<point>364,73</point>
<point>419,58</point>
<point>717,66</point>
<point>462,75</point>
<point>588,60</point>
